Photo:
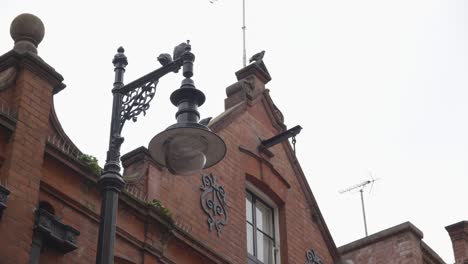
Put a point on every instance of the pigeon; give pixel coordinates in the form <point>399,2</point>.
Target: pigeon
<point>180,49</point>
<point>164,59</point>
<point>257,57</point>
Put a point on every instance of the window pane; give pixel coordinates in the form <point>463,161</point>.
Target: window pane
<point>264,248</point>
<point>250,247</point>
<point>264,218</point>
<point>248,207</point>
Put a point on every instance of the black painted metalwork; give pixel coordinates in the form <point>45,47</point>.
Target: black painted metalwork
<point>281,137</point>
<point>312,257</point>
<point>213,202</point>
<point>207,148</point>
<point>138,94</point>
<point>4,192</point>
<point>129,101</point>
<point>110,181</point>
<point>54,233</point>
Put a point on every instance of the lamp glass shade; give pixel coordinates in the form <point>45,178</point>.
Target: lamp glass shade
<point>185,154</point>
<point>187,150</point>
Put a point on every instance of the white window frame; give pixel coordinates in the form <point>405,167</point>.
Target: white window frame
<point>268,201</point>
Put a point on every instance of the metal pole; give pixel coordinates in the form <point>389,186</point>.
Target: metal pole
<point>244,56</point>
<point>111,182</point>
<point>363,211</point>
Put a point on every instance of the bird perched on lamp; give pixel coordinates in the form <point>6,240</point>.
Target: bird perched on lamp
<point>257,57</point>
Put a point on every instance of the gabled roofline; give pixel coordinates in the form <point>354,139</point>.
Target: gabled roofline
<point>430,253</point>
<point>276,117</point>
<point>315,210</point>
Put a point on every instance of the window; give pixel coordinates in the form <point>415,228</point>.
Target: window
<point>261,230</point>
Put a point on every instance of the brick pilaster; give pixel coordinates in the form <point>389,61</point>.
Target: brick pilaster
<point>458,233</point>
<point>30,94</point>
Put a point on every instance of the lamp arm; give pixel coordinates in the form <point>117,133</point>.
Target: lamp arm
<point>131,100</point>
<point>128,102</point>
<point>137,95</point>
<point>150,77</point>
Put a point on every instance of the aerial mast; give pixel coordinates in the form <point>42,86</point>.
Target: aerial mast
<point>244,51</point>
<point>361,187</point>
<point>244,54</point>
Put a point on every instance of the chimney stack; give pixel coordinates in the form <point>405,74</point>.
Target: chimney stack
<point>459,235</point>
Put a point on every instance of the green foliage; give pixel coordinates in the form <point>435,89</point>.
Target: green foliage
<point>161,208</point>
<point>92,163</point>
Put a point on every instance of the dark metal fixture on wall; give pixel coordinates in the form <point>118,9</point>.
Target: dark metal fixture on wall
<point>281,137</point>
<point>213,201</point>
<point>312,257</point>
<point>184,148</point>
<point>268,143</point>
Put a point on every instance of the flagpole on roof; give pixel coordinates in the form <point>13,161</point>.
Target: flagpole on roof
<point>244,56</point>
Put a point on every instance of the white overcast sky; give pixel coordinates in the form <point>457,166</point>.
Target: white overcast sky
<point>378,86</point>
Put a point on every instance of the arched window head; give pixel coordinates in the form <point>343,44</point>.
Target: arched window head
<point>46,207</point>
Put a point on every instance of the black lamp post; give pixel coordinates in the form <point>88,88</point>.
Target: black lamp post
<point>184,148</point>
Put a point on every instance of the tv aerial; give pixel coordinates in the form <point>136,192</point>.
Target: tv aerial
<point>360,187</point>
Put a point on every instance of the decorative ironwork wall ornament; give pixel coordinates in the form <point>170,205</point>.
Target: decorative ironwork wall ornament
<point>213,203</point>
<point>312,258</point>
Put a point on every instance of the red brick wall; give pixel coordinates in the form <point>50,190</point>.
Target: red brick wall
<point>38,172</point>
<point>182,194</point>
<point>401,248</point>
<point>23,162</point>
<point>458,233</point>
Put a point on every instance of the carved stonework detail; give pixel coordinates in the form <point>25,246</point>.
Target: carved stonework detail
<point>312,258</point>
<point>278,115</point>
<point>245,86</point>
<point>4,192</point>
<point>54,233</point>
<point>213,202</point>
<point>7,78</point>
<point>248,85</point>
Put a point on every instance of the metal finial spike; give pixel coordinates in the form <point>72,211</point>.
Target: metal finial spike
<point>120,60</point>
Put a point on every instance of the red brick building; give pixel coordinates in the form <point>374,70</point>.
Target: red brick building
<point>255,206</point>
<point>399,244</point>
<point>458,233</point>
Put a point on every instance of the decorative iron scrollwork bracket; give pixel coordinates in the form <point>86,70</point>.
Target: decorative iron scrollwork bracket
<point>134,98</point>
<point>213,202</point>
<point>312,257</point>
<point>137,95</point>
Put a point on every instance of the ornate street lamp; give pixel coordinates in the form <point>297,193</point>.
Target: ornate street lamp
<point>184,148</point>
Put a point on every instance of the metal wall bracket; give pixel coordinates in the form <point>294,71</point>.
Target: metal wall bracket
<point>281,137</point>
<point>4,192</point>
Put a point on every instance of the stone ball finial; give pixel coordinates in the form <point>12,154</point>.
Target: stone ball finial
<point>27,31</point>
